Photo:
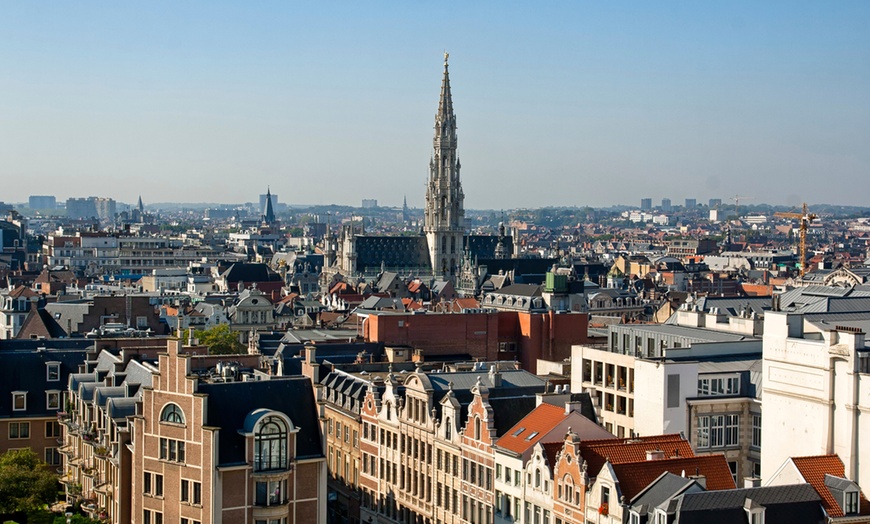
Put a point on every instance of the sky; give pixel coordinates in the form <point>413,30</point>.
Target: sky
<point>558,103</point>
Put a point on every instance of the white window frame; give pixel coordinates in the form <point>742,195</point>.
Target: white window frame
<point>48,395</point>
<point>15,396</point>
<point>49,366</point>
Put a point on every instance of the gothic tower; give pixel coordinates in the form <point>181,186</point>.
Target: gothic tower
<point>444,214</point>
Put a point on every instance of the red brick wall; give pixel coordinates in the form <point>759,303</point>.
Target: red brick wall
<point>437,334</point>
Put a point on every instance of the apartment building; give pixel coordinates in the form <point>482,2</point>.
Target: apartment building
<point>427,443</point>
<point>816,365</point>
<point>180,436</point>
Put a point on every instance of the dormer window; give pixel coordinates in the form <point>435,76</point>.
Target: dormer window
<point>851,503</point>
<point>52,371</point>
<point>754,511</point>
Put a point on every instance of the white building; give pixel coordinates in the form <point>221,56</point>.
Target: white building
<point>816,387</point>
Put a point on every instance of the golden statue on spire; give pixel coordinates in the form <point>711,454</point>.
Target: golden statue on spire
<point>446,56</point>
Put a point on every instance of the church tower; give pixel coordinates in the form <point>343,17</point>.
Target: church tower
<point>268,212</point>
<point>444,214</point>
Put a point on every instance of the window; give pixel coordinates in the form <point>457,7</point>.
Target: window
<point>732,467</point>
<point>185,520</point>
<point>719,385</point>
<point>673,391</point>
<point>52,457</point>
<point>337,430</point>
<point>851,503</point>
<point>173,414</point>
<point>477,428</point>
<point>52,400</point>
<point>732,430</point>
<point>172,450</point>
<point>19,430</point>
<point>52,371</point>
<point>152,517</point>
<point>756,431</point>
<point>52,429</point>
<point>152,484</point>
<point>270,445</point>
<point>498,471</point>
<point>19,400</point>
<point>271,493</point>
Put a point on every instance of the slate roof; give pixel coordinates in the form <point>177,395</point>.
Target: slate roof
<point>398,251</point>
<point>510,401</point>
<point>814,468</point>
<point>26,370</point>
<point>229,403</point>
<point>666,486</point>
<point>521,290</point>
<point>250,272</point>
<point>635,476</point>
<point>791,504</point>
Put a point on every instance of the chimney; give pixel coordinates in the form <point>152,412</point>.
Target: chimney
<point>494,376</point>
<point>751,482</point>
<point>655,454</point>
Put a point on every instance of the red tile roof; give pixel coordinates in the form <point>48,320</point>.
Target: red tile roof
<point>813,470</point>
<point>621,450</point>
<point>634,476</point>
<point>541,420</point>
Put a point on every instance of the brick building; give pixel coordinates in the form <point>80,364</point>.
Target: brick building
<point>525,336</point>
<point>180,436</point>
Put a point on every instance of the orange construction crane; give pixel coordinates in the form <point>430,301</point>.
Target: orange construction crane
<point>806,218</point>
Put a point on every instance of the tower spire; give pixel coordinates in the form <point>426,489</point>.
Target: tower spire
<point>445,104</point>
<point>268,212</point>
<point>444,215</point>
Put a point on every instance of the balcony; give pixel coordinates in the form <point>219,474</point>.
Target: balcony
<point>102,452</point>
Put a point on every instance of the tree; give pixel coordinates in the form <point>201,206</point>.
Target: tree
<point>25,482</point>
<point>220,339</point>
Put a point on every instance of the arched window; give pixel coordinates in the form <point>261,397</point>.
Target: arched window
<point>270,445</point>
<point>537,478</point>
<point>447,433</point>
<point>477,428</point>
<point>387,407</point>
<point>172,413</point>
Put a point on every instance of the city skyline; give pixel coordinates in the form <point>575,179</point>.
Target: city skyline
<point>204,102</point>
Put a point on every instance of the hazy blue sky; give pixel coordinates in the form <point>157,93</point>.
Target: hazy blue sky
<point>558,103</point>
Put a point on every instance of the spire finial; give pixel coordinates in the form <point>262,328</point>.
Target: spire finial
<point>446,56</point>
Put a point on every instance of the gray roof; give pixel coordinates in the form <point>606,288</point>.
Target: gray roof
<point>663,488</point>
<point>735,498</point>
<point>696,334</point>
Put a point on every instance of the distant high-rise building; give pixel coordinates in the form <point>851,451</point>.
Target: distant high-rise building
<point>645,204</point>
<point>91,207</point>
<point>715,202</point>
<point>42,202</point>
<point>77,208</point>
<point>105,208</point>
<point>691,203</point>
<point>666,204</point>
<point>369,203</point>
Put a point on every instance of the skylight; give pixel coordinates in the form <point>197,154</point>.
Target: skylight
<point>533,435</point>
<point>517,432</point>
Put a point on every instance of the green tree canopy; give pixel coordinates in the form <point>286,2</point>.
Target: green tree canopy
<point>219,339</point>
<point>26,483</point>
